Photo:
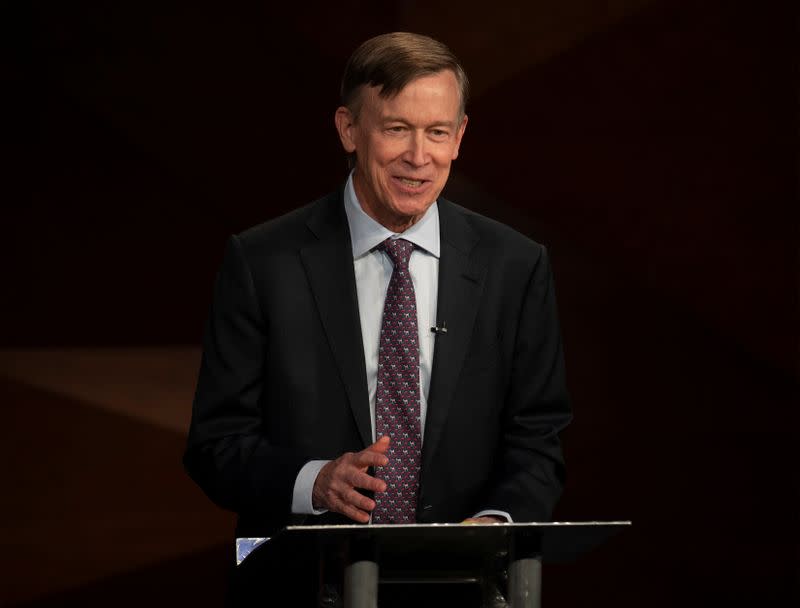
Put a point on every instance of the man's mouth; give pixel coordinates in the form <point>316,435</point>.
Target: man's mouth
<point>412,183</point>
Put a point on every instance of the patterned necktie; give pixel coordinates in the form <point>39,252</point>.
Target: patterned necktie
<point>397,409</point>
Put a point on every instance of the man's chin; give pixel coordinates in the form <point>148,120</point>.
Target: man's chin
<point>412,204</point>
<point>409,212</point>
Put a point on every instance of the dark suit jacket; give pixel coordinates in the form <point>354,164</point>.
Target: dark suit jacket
<point>283,381</point>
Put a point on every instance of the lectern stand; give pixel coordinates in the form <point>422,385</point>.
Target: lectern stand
<point>435,553</point>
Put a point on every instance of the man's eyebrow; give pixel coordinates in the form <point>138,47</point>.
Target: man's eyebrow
<point>440,123</point>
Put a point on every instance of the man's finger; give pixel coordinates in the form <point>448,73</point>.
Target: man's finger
<point>485,519</point>
<point>359,501</point>
<point>369,458</point>
<point>352,512</point>
<point>351,503</point>
<point>359,479</point>
<point>381,445</point>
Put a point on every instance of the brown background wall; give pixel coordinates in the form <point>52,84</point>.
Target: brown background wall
<point>652,145</point>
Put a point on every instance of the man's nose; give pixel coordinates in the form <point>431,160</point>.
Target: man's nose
<point>417,154</point>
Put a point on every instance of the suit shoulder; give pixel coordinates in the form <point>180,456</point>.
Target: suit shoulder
<point>288,231</point>
<point>497,236</point>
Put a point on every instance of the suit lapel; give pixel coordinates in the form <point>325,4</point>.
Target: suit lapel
<point>328,263</point>
<point>460,287</point>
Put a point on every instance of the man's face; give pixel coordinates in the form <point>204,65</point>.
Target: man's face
<point>404,146</point>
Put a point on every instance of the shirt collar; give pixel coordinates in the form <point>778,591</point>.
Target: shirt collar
<point>366,233</point>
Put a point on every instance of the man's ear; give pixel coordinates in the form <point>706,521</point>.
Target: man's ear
<point>345,124</point>
<point>459,134</point>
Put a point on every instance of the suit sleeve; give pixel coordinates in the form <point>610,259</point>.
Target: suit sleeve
<point>530,471</point>
<point>228,454</point>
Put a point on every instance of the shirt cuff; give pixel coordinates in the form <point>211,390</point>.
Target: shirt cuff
<point>304,487</point>
<point>496,513</point>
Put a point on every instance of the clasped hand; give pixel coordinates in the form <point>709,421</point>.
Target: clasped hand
<point>337,484</point>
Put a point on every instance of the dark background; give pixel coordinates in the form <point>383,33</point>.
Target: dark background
<point>652,145</point>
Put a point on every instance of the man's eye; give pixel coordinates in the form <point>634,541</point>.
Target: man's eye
<point>439,133</point>
<point>396,129</point>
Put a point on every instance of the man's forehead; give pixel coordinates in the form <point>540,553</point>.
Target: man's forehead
<point>444,77</point>
<point>386,105</point>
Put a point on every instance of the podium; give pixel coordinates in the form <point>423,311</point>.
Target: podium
<point>421,554</point>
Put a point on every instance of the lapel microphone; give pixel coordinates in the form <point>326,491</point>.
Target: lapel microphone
<point>440,331</point>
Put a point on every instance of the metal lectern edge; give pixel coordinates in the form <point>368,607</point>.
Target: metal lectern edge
<point>246,545</point>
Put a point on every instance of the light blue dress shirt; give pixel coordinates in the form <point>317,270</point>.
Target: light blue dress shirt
<point>373,269</point>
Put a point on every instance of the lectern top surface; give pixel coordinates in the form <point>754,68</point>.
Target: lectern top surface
<point>513,525</point>
<point>558,541</point>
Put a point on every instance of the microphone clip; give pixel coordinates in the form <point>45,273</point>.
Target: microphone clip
<point>440,330</point>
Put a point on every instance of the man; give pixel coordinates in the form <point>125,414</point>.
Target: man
<point>383,354</point>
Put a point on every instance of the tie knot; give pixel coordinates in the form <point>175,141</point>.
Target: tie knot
<point>399,250</point>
